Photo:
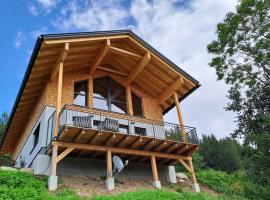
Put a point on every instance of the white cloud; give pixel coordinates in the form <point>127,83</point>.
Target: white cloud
<point>47,4</point>
<point>18,40</point>
<point>33,10</point>
<point>92,15</point>
<point>181,31</point>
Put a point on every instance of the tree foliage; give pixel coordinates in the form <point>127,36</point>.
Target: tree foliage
<point>220,154</point>
<point>3,123</point>
<point>242,58</point>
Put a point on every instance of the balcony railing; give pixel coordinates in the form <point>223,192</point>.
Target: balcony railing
<point>107,121</point>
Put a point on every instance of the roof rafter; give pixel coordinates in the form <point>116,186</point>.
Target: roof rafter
<point>61,58</point>
<point>124,52</point>
<point>170,90</point>
<point>101,54</point>
<point>133,74</point>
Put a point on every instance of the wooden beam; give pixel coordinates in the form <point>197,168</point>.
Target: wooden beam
<point>129,100</point>
<point>184,165</point>
<point>192,173</point>
<point>108,141</point>
<point>90,147</point>
<point>122,143</point>
<point>112,71</point>
<point>59,98</point>
<point>79,135</point>
<point>63,154</point>
<point>135,144</point>
<point>180,117</point>
<point>90,91</point>
<point>154,168</point>
<point>170,90</point>
<point>124,52</point>
<point>101,54</point>
<point>109,163</point>
<point>83,39</point>
<point>133,74</point>
<point>61,58</point>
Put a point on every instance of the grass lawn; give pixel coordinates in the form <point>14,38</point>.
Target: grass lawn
<point>24,186</point>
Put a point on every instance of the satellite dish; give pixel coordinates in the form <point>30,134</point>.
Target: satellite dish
<point>118,164</point>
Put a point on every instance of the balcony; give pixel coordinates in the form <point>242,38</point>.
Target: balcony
<point>96,127</point>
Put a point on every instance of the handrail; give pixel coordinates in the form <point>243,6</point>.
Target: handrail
<point>123,124</point>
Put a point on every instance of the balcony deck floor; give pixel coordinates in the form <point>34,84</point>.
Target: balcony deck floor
<point>116,139</point>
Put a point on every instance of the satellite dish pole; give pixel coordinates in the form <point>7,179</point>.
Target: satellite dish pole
<point>118,165</point>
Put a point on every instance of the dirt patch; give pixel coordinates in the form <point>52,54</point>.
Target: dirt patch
<point>86,186</point>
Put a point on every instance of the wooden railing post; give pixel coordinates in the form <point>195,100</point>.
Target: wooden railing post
<point>180,117</point>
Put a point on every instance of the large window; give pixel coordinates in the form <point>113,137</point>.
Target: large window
<point>137,105</point>
<point>80,93</point>
<point>109,95</point>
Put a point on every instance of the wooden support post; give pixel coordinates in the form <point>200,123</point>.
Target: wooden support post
<point>109,164</point>
<point>156,182</point>
<point>183,131</point>
<point>54,159</point>
<point>59,97</point>
<point>129,100</point>
<point>192,172</point>
<point>154,168</point>
<point>90,91</point>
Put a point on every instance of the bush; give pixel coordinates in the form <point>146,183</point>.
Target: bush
<point>236,184</point>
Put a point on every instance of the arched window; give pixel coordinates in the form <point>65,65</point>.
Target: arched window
<point>109,95</point>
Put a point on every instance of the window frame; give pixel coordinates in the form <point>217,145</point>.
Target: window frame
<point>109,100</point>
<point>79,94</point>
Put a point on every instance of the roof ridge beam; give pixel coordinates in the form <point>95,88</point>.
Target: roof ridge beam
<point>143,63</point>
<point>101,54</point>
<point>61,58</point>
<point>170,90</point>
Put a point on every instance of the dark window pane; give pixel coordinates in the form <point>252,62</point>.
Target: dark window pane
<point>101,87</point>
<point>117,92</point>
<point>137,105</point>
<point>36,135</point>
<point>80,93</point>
<point>118,107</point>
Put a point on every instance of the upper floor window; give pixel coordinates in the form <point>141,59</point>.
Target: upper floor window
<point>137,105</point>
<point>80,93</point>
<point>109,95</point>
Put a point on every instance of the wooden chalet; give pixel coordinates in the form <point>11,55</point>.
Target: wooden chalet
<point>99,94</point>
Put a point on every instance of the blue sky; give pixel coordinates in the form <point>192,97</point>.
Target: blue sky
<point>185,26</point>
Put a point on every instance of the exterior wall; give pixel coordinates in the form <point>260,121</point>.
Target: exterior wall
<point>151,109</point>
<point>95,168</point>
<point>27,153</point>
<point>31,123</point>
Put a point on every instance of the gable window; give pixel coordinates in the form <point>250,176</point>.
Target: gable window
<point>80,93</point>
<point>36,137</point>
<point>109,95</point>
<point>137,105</point>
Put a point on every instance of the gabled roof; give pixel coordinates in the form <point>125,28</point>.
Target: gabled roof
<point>49,45</point>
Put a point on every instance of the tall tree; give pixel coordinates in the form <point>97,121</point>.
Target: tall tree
<point>242,58</point>
<point>220,154</point>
